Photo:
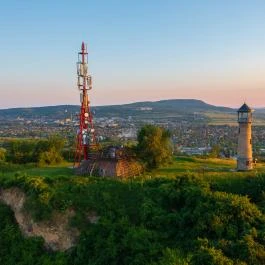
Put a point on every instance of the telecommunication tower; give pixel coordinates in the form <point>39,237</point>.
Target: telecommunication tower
<point>86,140</point>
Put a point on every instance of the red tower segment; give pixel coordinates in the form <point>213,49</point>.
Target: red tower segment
<point>86,140</point>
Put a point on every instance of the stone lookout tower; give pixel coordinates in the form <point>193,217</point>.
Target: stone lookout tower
<point>244,149</point>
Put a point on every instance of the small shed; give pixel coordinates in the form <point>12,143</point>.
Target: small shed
<point>113,161</point>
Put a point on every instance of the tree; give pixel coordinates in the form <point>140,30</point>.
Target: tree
<point>52,155</point>
<point>154,146</point>
<point>20,151</point>
<point>44,151</point>
<point>57,142</point>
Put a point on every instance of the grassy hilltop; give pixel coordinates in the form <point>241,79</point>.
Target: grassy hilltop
<point>193,211</point>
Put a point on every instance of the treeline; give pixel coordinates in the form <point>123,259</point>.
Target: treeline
<point>42,151</point>
<point>154,148</point>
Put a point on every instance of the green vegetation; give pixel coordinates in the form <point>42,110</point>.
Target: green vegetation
<point>194,211</point>
<point>23,151</point>
<point>154,146</point>
<point>15,249</point>
<point>2,154</point>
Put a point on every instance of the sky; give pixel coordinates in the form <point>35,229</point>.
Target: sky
<point>141,50</point>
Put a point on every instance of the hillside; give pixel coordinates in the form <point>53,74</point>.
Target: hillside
<point>192,212</point>
<point>176,110</point>
<point>161,108</point>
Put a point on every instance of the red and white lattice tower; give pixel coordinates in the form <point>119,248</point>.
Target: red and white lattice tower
<point>86,140</point>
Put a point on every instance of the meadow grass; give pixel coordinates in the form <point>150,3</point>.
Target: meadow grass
<point>64,169</point>
<point>212,169</point>
<point>50,171</point>
<point>183,164</point>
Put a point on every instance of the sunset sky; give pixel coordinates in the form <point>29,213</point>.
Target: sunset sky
<point>138,50</point>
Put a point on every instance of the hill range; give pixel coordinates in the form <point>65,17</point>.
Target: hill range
<point>172,109</point>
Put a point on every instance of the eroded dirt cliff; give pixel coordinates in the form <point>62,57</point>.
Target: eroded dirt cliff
<point>56,232</point>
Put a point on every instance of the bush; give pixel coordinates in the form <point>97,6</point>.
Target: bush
<point>51,157</point>
<point>160,221</point>
<point>15,249</point>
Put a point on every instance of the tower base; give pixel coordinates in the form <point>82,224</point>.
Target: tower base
<point>244,164</point>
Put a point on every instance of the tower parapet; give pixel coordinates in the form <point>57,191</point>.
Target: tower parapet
<point>244,149</point>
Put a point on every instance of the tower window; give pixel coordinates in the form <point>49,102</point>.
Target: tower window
<point>250,141</point>
<point>238,130</point>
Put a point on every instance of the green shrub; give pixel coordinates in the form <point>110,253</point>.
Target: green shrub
<point>186,220</point>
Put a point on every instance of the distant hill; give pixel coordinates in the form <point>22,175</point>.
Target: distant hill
<point>148,109</point>
<point>189,105</point>
<point>176,110</point>
<point>54,112</point>
<point>178,105</point>
<point>260,110</point>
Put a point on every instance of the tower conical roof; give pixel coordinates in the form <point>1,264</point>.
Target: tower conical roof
<point>244,108</point>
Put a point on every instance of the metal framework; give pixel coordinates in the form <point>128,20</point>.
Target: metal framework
<point>86,140</point>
